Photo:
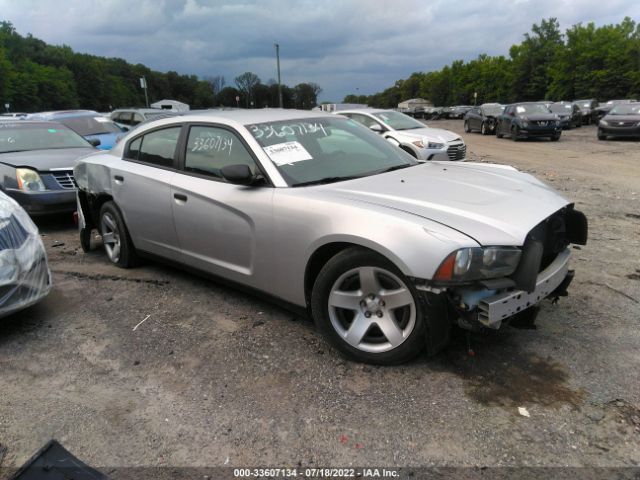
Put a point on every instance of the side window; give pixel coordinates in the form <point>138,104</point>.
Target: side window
<point>364,120</point>
<point>157,148</point>
<point>211,148</point>
<point>137,118</point>
<point>133,149</point>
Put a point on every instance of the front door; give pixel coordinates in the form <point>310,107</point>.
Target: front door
<point>222,228</point>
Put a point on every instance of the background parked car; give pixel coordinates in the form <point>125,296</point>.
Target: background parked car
<point>622,121</point>
<point>527,120</point>
<point>36,164</point>
<point>25,278</point>
<point>569,114</point>
<point>99,130</point>
<point>459,111</point>
<point>128,118</point>
<point>414,137</point>
<point>588,110</point>
<point>483,118</point>
<point>605,108</point>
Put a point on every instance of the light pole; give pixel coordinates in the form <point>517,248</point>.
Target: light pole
<point>279,81</point>
<point>143,85</point>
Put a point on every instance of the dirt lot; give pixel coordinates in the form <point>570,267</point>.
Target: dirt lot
<point>214,376</point>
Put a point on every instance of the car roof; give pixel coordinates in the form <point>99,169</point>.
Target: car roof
<point>140,110</point>
<point>365,110</point>
<point>66,114</point>
<point>251,116</point>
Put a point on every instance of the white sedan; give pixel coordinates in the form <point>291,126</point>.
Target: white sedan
<point>414,137</point>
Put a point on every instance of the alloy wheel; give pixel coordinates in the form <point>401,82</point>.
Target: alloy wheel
<point>110,236</point>
<point>372,309</point>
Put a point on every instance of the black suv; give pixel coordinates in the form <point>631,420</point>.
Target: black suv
<point>569,113</point>
<point>483,118</point>
<point>528,120</point>
<point>588,109</point>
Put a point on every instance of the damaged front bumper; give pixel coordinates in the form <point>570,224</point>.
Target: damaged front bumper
<point>492,310</point>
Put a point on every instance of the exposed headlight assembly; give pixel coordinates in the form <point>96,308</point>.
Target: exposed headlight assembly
<point>468,264</point>
<point>435,145</point>
<point>29,180</point>
<point>418,143</point>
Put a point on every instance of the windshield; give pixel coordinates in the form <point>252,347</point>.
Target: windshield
<point>398,121</point>
<point>532,108</point>
<point>584,104</point>
<point>87,125</point>
<point>492,109</point>
<point>326,149</point>
<point>629,109</point>
<point>20,137</point>
<point>561,108</point>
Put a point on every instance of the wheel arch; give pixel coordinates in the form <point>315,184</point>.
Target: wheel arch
<point>323,253</point>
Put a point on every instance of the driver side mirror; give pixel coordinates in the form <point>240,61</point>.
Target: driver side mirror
<point>239,174</point>
<point>94,142</point>
<point>376,128</point>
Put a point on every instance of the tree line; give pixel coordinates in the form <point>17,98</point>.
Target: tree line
<point>35,76</point>
<point>584,62</point>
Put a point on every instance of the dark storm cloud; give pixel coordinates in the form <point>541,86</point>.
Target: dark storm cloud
<point>342,45</point>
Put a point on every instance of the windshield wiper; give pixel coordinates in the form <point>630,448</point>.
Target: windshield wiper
<point>324,180</point>
<point>396,167</point>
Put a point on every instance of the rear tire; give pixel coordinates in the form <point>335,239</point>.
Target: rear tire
<point>115,237</point>
<point>367,309</point>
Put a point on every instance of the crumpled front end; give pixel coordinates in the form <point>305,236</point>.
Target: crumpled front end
<point>25,278</point>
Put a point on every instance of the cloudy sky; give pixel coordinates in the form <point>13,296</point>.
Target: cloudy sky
<point>346,46</point>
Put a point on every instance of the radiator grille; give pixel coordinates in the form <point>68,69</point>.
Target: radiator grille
<point>65,179</point>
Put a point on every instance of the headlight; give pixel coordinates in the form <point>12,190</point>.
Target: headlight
<point>418,143</point>
<point>29,180</point>
<point>557,123</point>
<point>435,145</point>
<point>469,264</point>
<point>603,123</point>
<point>525,124</point>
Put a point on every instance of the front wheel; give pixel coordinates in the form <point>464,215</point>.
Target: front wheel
<point>115,237</point>
<point>555,138</point>
<point>498,131</point>
<point>467,129</point>
<point>483,129</point>
<point>514,134</point>
<point>601,136</point>
<point>366,308</point>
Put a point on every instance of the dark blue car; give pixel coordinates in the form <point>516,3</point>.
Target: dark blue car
<point>87,123</point>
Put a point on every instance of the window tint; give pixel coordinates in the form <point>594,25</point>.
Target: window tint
<point>157,148</point>
<point>211,148</point>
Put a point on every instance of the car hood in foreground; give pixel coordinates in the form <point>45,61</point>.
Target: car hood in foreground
<point>44,160</point>
<point>431,134</point>
<point>493,204</point>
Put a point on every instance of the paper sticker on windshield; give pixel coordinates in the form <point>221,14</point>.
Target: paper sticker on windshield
<point>287,153</point>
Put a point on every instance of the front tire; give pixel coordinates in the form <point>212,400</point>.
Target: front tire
<point>483,129</point>
<point>367,309</point>
<point>601,136</point>
<point>514,134</point>
<point>115,237</point>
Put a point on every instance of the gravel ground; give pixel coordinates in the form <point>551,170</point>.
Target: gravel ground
<point>216,377</point>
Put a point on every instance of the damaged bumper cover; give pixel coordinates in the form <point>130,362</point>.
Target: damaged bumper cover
<point>496,308</point>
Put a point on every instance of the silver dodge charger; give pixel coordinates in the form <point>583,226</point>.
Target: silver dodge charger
<point>385,253</point>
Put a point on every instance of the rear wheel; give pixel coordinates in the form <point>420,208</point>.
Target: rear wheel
<point>115,237</point>
<point>366,308</point>
<point>483,129</point>
<point>467,129</point>
<point>498,131</point>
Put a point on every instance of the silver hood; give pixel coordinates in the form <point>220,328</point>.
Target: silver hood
<point>431,134</point>
<point>493,204</point>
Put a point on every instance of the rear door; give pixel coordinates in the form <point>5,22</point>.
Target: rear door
<point>222,228</point>
<point>141,186</point>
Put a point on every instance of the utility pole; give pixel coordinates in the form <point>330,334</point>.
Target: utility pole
<point>143,85</point>
<point>279,81</point>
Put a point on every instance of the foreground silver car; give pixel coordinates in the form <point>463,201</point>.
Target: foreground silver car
<point>328,217</point>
